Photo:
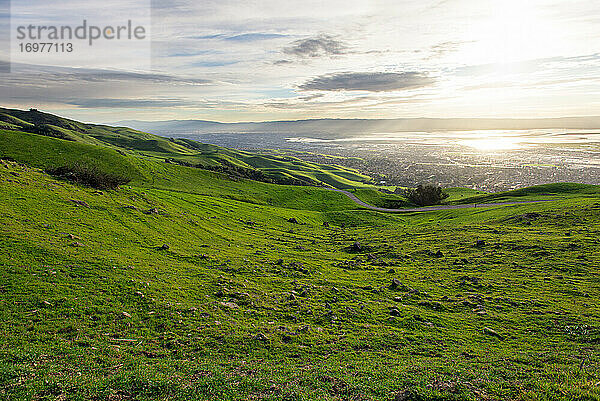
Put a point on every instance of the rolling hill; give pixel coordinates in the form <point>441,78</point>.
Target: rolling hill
<point>283,169</point>
<point>191,284</point>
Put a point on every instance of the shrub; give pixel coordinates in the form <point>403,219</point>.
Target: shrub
<point>90,175</point>
<point>425,195</point>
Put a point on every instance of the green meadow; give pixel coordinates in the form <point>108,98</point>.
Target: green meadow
<point>189,284</point>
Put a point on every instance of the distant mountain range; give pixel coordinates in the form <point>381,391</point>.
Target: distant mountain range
<point>328,128</point>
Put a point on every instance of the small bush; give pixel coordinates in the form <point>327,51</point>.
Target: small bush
<point>425,195</point>
<point>90,175</point>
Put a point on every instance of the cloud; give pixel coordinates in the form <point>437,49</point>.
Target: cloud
<point>370,82</point>
<point>31,73</point>
<point>216,63</point>
<point>441,49</point>
<point>243,37</point>
<point>93,89</point>
<point>127,103</point>
<point>152,103</point>
<point>250,37</point>
<point>319,46</point>
<point>194,53</point>
<point>283,62</point>
<point>99,75</point>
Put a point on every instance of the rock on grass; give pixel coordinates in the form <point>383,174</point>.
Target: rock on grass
<point>492,333</point>
<point>80,203</point>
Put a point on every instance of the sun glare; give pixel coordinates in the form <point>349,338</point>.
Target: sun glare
<point>492,144</point>
<point>511,31</point>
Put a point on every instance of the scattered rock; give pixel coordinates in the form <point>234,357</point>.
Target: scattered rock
<point>404,395</point>
<point>243,298</point>
<point>80,203</point>
<point>480,310</point>
<point>230,305</point>
<point>395,284</point>
<point>469,280</point>
<point>493,333</point>
<point>433,305</point>
<point>531,216</point>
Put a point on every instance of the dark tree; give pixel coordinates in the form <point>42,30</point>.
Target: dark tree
<point>90,175</point>
<point>425,195</point>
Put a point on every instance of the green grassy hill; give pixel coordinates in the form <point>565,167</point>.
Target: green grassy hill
<point>459,194</point>
<point>186,284</point>
<point>283,169</point>
<point>546,191</point>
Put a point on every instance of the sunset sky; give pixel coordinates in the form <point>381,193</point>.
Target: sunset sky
<point>246,60</point>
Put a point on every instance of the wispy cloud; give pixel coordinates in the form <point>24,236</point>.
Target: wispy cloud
<point>318,46</point>
<point>370,81</point>
<point>42,74</point>
<point>242,37</point>
<point>441,49</point>
<point>215,63</point>
<point>128,103</point>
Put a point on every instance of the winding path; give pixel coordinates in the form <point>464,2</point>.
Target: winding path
<point>430,208</point>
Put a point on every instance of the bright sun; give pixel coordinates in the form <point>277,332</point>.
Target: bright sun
<point>510,31</point>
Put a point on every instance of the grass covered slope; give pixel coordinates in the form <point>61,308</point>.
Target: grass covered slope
<point>284,169</point>
<point>546,191</point>
<point>49,153</point>
<point>457,194</point>
<point>244,304</point>
<point>381,199</point>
